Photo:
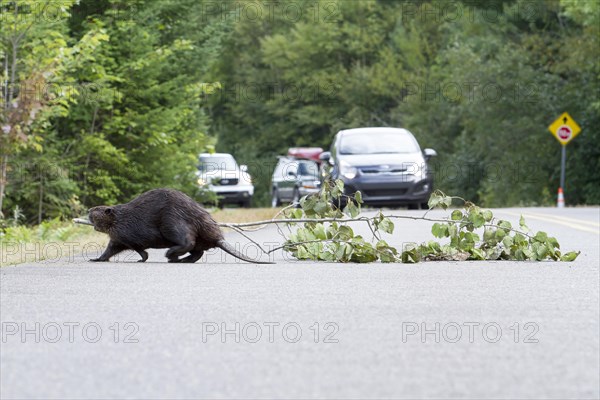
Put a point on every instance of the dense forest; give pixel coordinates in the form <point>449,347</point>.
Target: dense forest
<point>104,99</point>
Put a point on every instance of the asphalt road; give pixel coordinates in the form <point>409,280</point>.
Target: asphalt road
<point>227,329</point>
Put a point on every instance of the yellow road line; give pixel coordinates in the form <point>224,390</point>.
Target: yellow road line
<point>566,219</point>
<point>571,223</point>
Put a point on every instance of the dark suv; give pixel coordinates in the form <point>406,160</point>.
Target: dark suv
<point>293,179</point>
<point>385,164</point>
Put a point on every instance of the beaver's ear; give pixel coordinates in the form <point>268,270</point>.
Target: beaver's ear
<point>108,211</point>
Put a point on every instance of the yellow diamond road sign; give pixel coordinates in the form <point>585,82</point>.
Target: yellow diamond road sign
<point>564,129</point>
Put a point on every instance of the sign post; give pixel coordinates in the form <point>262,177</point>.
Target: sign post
<point>564,130</point>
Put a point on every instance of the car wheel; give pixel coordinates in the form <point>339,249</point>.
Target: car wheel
<point>246,203</point>
<point>413,206</point>
<point>339,202</point>
<point>424,206</point>
<point>275,202</point>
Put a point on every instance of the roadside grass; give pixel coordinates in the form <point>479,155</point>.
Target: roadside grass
<point>51,240</point>
<point>55,239</point>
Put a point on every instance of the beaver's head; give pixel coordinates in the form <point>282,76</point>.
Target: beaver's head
<point>102,217</point>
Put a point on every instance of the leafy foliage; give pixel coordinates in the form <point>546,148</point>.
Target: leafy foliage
<point>474,233</point>
<point>335,240</point>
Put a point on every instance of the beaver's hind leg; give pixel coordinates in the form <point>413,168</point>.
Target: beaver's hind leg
<point>194,256</point>
<point>182,239</point>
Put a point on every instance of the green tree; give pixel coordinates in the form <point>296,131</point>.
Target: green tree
<point>37,57</point>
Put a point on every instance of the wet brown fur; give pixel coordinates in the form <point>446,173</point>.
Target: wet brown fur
<point>158,219</point>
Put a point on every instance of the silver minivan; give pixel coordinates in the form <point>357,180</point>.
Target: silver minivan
<point>385,164</point>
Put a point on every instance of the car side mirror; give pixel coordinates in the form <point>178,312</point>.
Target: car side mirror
<point>325,157</point>
<point>243,168</point>
<point>428,153</point>
<point>292,174</point>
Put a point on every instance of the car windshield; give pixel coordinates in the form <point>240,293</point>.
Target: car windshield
<point>308,169</point>
<point>208,164</point>
<point>378,143</point>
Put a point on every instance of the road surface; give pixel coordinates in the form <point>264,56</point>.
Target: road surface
<point>227,329</point>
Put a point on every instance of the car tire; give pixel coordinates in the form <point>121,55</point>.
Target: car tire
<point>246,203</point>
<point>413,206</point>
<point>275,201</point>
<point>424,206</point>
<point>339,202</point>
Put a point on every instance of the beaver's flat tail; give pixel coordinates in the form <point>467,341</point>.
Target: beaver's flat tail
<point>226,247</point>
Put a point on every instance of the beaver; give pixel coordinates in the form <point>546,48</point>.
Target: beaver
<point>158,219</point>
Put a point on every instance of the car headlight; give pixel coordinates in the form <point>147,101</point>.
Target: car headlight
<point>201,181</point>
<point>311,184</point>
<point>418,170</point>
<point>347,171</point>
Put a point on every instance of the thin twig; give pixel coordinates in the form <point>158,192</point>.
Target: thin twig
<point>299,220</point>
<point>241,232</point>
<point>332,240</point>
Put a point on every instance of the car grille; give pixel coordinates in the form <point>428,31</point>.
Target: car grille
<point>375,170</point>
<point>228,182</point>
<point>385,192</point>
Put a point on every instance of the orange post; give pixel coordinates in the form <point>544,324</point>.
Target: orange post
<point>561,198</point>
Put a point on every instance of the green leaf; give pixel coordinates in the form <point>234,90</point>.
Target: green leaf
<point>358,197</point>
<point>520,239</point>
<point>439,199</point>
<point>297,213</point>
<point>351,209</point>
<point>522,224</point>
<point>529,254</point>
<point>542,252</point>
<point>386,225</point>
<point>303,253</point>
<point>541,236</point>
<point>500,234</point>
<point>321,207</point>
<point>471,237</point>
<point>452,230</point>
<point>489,236</point>
<point>319,231</point>
<point>477,219</point>
<point>487,215</point>
<point>570,256</point>
<point>345,232</point>
<point>552,253</point>
<point>477,254</point>
<point>386,253</point>
<point>410,256</point>
<point>505,225</point>
<point>553,242</point>
<point>434,199</point>
<point>456,215</point>
<point>365,254</point>
<point>439,230</point>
